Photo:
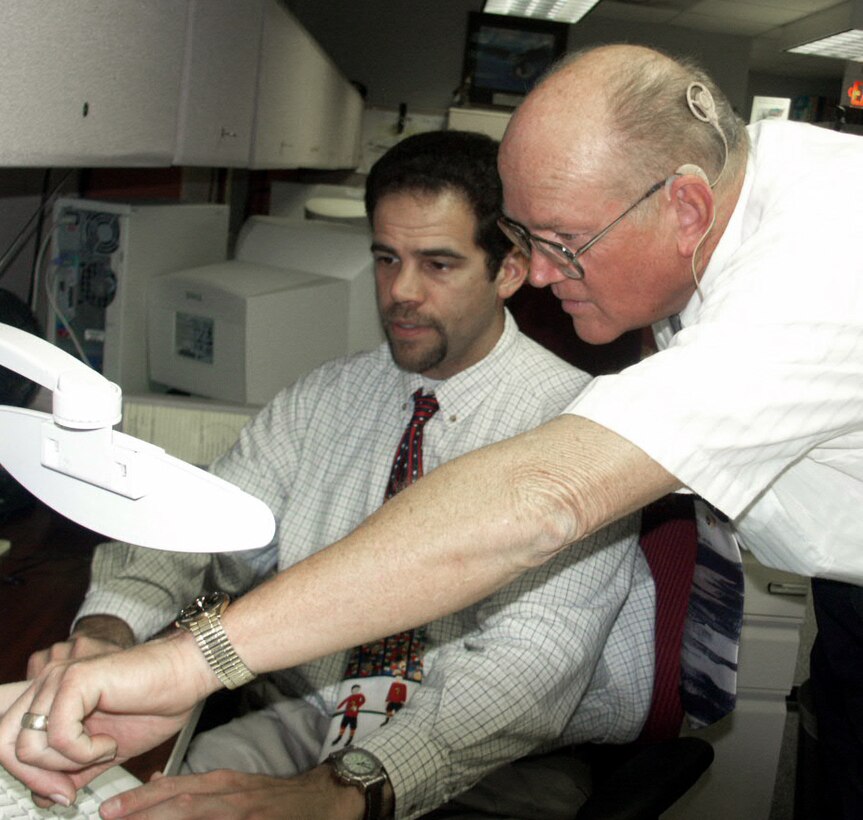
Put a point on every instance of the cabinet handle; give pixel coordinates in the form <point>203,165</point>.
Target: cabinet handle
<point>787,588</point>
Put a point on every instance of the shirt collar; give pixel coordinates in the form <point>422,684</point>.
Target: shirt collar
<point>460,394</point>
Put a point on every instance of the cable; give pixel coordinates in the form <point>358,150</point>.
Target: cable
<point>24,234</point>
<point>58,314</point>
<point>701,104</point>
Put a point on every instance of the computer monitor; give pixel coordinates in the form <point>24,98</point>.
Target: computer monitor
<point>297,293</point>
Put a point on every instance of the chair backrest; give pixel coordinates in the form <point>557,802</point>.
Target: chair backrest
<point>669,541</point>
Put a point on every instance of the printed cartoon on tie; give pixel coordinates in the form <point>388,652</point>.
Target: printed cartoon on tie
<point>379,680</point>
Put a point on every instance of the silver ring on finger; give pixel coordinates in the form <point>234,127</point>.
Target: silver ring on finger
<point>31,720</point>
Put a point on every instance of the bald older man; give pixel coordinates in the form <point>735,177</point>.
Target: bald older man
<point>641,199</point>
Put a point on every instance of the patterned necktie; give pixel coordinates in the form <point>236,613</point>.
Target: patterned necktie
<point>408,462</point>
<point>711,634</point>
<point>380,675</point>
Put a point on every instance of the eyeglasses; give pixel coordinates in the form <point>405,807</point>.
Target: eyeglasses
<point>565,259</point>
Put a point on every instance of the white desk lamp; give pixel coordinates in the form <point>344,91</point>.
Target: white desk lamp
<point>109,482</point>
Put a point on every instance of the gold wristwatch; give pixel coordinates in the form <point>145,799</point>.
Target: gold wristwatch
<point>203,618</point>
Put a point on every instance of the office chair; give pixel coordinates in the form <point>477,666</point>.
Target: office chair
<point>642,779</point>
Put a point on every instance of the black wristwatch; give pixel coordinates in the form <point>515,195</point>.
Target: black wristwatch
<point>357,767</point>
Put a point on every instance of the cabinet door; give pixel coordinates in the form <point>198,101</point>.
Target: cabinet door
<point>308,115</point>
<point>217,100</point>
<point>90,82</point>
<point>739,783</point>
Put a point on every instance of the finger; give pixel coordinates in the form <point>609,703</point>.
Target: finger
<point>66,745</point>
<point>85,647</point>
<point>78,647</point>
<point>219,794</point>
<point>56,786</point>
<point>10,692</point>
<point>172,795</point>
<point>36,663</point>
<point>182,807</point>
<point>67,706</point>
<point>78,780</point>
<point>40,660</point>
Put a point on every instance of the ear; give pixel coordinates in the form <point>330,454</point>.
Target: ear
<point>694,208</point>
<point>513,271</point>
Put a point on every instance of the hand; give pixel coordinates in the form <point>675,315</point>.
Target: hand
<point>234,795</point>
<point>102,711</point>
<point>93,635</point>
<point>9,693</point>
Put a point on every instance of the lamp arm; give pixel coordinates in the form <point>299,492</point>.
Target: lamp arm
<point>82,398</point>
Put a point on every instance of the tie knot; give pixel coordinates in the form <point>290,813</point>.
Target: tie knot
<point>425,406</point>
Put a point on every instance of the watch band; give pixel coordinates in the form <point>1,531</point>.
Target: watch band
<point>374,793</point>
<point>371,783</point>
<point>203,619</point>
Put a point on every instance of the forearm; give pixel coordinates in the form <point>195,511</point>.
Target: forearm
<point>105,628</point>
<point>463,531</point>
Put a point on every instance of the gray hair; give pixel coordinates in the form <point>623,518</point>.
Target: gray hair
<point>652,129</point>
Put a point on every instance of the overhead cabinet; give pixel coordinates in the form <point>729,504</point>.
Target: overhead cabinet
<point>217,83</point>
<point>259,92</point>
<point>90,82</point>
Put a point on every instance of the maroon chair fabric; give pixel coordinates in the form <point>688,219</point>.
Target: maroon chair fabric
<point>669,543</point>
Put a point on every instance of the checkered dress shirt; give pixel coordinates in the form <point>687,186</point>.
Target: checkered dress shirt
<point>562,655</point>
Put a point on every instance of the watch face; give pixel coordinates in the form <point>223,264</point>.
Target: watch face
<point>213,601</point>
<point>358,762</point>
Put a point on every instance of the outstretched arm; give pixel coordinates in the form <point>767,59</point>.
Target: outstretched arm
<point>461,532</point>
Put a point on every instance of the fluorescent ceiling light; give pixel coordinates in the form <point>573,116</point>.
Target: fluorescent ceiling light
<point>837,32</point>
<point>846,45</point>
<point>564,11</point>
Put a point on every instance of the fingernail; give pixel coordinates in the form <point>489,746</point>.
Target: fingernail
<point>106,758</point>
<point>61,799</point>
<point>112,807</point>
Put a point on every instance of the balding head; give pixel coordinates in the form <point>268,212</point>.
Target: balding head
<point>564,122</point>
<point>619,114</point>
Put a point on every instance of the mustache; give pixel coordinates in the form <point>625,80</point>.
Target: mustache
<point>399,315</point>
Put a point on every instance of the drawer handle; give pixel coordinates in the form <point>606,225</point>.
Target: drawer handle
<point>783,588</point>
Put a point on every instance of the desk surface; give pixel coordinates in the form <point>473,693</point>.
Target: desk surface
<point>43,579</point>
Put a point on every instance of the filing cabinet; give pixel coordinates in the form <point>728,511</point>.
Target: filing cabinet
<point>747,742</point>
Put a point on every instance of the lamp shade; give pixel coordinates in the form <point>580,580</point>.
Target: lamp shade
<point>112,483</point>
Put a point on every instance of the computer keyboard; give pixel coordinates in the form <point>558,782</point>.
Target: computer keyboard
<point>15,798</point>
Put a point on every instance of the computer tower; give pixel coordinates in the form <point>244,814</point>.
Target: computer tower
<point>103,255</point>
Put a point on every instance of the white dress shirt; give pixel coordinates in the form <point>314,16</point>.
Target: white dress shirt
<point>757,403</point>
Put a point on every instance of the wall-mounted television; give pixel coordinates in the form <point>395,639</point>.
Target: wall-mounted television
<point>505,56</point>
